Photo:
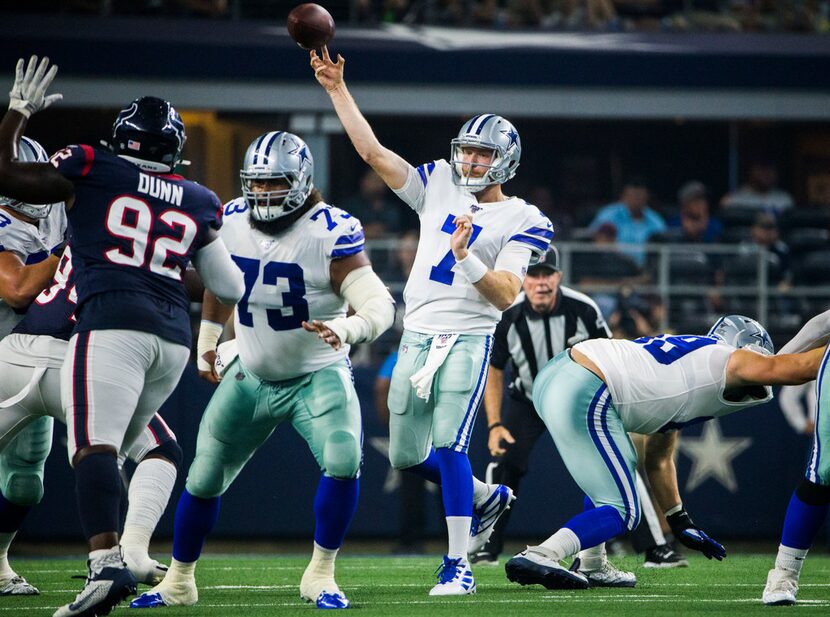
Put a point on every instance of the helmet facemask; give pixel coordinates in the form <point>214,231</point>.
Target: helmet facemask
<point>277,156</point>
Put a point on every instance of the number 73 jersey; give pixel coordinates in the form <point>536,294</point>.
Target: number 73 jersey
<point>667,382</point>
<point>287,281</point>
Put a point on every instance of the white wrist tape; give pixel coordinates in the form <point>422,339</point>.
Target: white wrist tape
<point>209,333</point>
<point>472,268</point>
<point>373,306</point>
<point>673,510</point>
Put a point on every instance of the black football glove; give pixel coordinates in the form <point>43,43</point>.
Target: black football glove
<point>692,536</point>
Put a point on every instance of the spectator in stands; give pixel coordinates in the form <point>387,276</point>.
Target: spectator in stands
<point>635,315</point>
<point>374,209</point>
<point>760,190</point>
<point>765,234</point>
<point>694,223</point>
<point>563,221</point>
<point>634,221</point>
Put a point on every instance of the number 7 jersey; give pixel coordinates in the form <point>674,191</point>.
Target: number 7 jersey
<point>667,382</point>
<point>287,281</point>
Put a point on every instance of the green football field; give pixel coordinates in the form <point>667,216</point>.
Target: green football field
<point>250,586</point>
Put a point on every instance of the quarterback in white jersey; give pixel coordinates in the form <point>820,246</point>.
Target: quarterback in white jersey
<point>303,265</point>
<point>475,245</point>
<point>590,399</point>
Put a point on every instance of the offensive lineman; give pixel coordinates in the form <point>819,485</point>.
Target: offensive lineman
<point>135,227</point>
<point>484,241</point>
<point>590,399</point>
<point>304,264</point>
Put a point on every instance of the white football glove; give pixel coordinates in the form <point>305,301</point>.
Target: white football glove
<point>28,95</point>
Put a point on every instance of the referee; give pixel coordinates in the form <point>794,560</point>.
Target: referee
<point>549,319</point>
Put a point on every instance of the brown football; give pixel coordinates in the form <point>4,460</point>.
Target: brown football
<point>310,25</point>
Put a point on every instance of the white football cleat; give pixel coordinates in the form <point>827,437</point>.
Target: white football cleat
<point>486,513</point>
<point>145,569</point>
<point>535,566</point>
<point>16,585</point>
<point>781,588</point>
<point>168,593</point>
<point>454,578</point>
<point>606,576</point>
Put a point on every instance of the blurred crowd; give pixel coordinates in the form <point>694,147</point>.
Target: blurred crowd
<point>562,15</point>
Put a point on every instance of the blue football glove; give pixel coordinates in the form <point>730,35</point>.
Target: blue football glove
<point>692,536</point>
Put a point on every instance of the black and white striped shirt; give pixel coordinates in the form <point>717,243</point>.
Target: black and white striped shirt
<point>529,339</point>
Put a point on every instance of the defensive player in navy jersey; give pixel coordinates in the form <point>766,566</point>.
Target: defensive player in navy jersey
<point>30,361</point>
<point>135,226</point>
<point>304,264</point>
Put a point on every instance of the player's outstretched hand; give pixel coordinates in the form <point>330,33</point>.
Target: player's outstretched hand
<point>499,434</point>
<point>693,537</point>
<point>210,375</point>
<point>328,73</point>
<point>461,236</point>
<point>324,333</point>
<point>28,94</point>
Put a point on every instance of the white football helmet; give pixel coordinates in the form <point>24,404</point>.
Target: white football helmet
<point>494,133</point>
<point>29,151</point>
<point>277,156</point>
<point>743,332</point>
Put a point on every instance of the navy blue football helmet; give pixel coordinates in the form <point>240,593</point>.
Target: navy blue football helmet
<point>740,331</point>
<point>149,133</point>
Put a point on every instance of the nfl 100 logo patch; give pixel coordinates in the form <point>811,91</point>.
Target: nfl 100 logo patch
<point>474,208</point>
<point>404,348</point>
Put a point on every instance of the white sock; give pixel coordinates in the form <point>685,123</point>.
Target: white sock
<point>150,490</point>
<point>5,542</point>
<point>180,572</point>
<point>593,558</point>
<point>322,560</point>
<point>458,531</point>
<point>563,543</point>
<point>481,490</point>
<point>790,558</point>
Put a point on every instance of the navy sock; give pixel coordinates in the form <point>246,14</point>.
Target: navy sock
<point>430,469</point>
<point>456,482</point>
<point>802,523</point>
<point>11,515</point>
<point>195,518</point>
<point>98,490</point>
<point>597,525</point>
<point>334,507</point>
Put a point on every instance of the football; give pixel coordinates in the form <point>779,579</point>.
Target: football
<point>310,25</point>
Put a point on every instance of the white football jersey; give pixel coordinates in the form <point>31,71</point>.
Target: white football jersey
<point>438,298</point>
<point>32,243</point>
<point>669,381</point>
<point>287,282</point>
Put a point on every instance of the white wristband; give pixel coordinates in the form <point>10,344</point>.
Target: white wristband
<point>673,510</point>
<point>209,333</point>
<point>472,268</point>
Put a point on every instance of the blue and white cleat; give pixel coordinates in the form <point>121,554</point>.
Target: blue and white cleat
<point>168,593</point>
<point>535,566</point>
<point>108,583</point>
<point>332,600</point>
<point>454,578</point>
<point>485,515</point>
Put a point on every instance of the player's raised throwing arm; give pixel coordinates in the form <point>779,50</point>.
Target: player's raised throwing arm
<point>392,168</point>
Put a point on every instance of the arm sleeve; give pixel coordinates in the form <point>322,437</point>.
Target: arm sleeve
<point>815,333</point>
<point>219,273</point>
<point>500,355</point>
<point>414,189</point>
<point>374,308</point>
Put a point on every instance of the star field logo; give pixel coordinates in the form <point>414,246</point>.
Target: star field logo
<point>513,136</point>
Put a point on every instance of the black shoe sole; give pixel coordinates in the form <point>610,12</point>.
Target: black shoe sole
<point>525,572</point>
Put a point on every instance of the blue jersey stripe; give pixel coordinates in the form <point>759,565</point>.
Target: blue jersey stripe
<point>345,252</point>
<point>542,245</point>
<point>352,239</point>
<point>423,175</point>
<point>539,231</point>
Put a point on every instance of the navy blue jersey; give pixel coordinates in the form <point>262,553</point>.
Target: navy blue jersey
<point>133,234</point>
<point>53,311</point>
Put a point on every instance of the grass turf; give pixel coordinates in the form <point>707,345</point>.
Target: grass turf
<point>250,586</point>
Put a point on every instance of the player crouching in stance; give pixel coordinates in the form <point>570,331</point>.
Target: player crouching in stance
<point>592,397</point>
<point>810,501</point>
<point>283,237</point>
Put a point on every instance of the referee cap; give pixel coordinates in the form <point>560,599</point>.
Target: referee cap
<point>549,262</point>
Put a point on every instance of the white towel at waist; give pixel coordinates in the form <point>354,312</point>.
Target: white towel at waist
<point>439,349</point>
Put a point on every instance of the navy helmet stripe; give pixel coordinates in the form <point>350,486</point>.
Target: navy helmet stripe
<point>258,144</point>
<point>270,143</point>
<point>484,121</point>
<point>468,128</point>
